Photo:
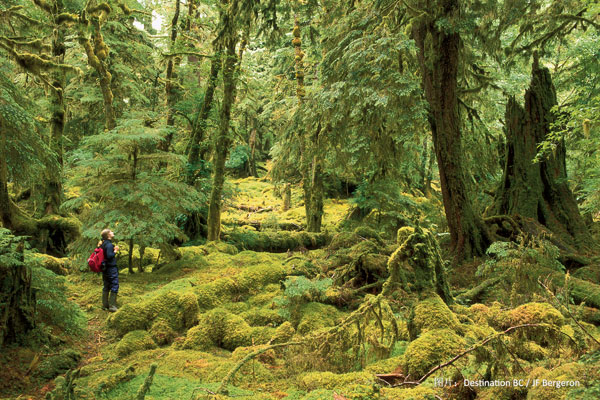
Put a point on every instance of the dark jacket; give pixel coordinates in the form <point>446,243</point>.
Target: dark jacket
<point>110,259</point>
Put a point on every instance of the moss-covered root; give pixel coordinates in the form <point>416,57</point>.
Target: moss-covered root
<point>141,394</point>
<point>418,261</point>
<point>223,386</point>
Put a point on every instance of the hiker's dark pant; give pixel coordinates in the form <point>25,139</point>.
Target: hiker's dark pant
<point>110,276</point>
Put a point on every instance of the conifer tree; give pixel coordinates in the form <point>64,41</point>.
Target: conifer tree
<point>122,187</point>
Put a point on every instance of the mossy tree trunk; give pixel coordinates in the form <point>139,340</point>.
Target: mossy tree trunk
<point>17,297</point>
<point>170,92</point>
<point>438,54</point>
<point>199,128</point>
<point>53,189</point>
<point>223,140</point>
<point>96,54</point>
<point>314,216</point>
<point>538,190</point>
<point>5,214</point>
<point>310,167</point>
<point>287,196</point>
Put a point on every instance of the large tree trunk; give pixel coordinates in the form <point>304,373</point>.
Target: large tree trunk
<point>17,297</point>
<point>53,189</point>
<point>538,190</point>
<point>314,216</point>
<point>169,87</point>
<point>223,140</point>
<point>199,127</point>
<point>439,58</point>
<point>310,168</point>
<point>5,214</point>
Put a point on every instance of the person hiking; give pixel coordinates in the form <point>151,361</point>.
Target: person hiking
<point>110,272</point>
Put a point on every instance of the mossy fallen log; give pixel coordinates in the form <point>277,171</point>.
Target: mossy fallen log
<point>474,295</point>
<point>277,242</point>
<point>580,290</point>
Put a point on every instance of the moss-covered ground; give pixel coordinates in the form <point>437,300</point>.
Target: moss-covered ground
<point>331,331</point>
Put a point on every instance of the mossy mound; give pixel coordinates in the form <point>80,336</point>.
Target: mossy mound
<point>58,364</point>
<point>179,310</point>
<point>431,349</point>
<point>431,313</point>
<point>266,297</point>
<point>134,341</point>
<point>262,317</point>
<point>219,247</point>
<point>315,316</point>
<point>283,333</point>
<point>368,233</point>
<point>536,313</point>
<point>555,384</point>
<point>385,366</point>
<point>261,334</point>
<point>255,277</point>
<point>344,240</point>
<point>221,328</point>
<point>493,315</point>
<point>330,380</point>
<point>161,332</point>
<point>530,351</point>
<point>198,338</point>
<point>418,393</point>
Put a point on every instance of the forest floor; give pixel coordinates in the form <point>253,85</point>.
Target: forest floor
<point>199,317</point>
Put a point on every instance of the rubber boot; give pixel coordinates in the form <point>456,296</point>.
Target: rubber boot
<point>105,304</point>
<point>112,301</point>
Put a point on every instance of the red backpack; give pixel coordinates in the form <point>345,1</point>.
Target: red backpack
<point>96,259</point>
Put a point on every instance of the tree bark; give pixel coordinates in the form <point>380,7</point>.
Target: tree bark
<point>223,141</point>
<point>53,189</point>
<point>95,55</point>
<point>438,53</point>
<point>5,214</point>
<point>199,127</point>
<point>169,87</point>
<point>17,297</point>
<point>538,190</point>
<point>310,168</point>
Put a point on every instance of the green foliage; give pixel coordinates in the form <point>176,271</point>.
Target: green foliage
<point>300,290</point>
<point>26,153</point>
<point>238,158</point>
<point>128,185</point>
<point>53,306</point>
